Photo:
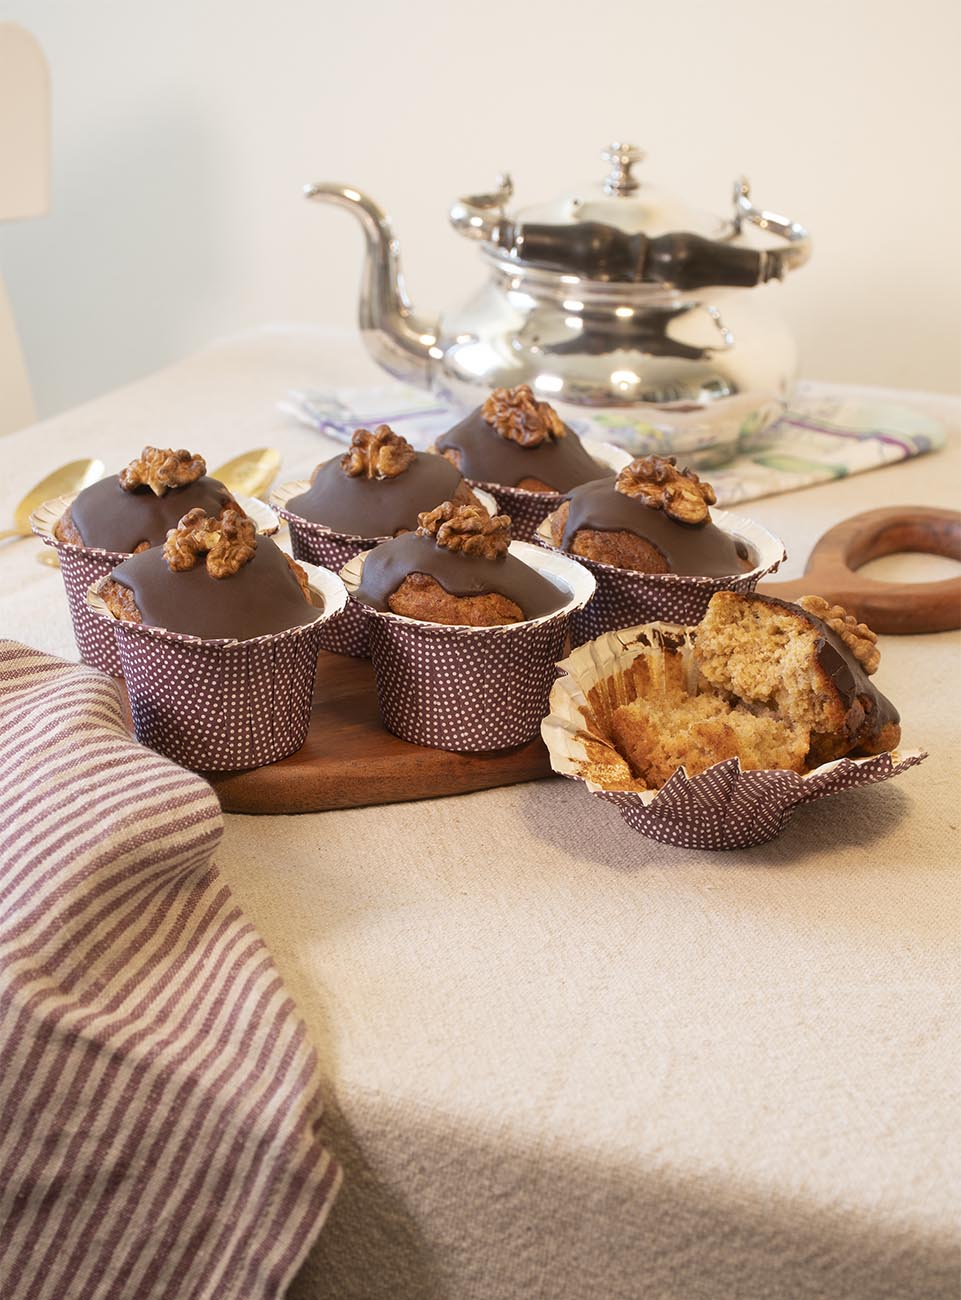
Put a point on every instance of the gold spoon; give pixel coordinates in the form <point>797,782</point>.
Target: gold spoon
<point>68,478</point>
<point>251,473</point>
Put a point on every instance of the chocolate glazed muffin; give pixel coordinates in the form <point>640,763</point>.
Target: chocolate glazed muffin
<point>213,578</point>
<point>456,569</point>
<point>514,440</point>
<point>651,518</point>
<point>379,487</point>
<point>134,510</point>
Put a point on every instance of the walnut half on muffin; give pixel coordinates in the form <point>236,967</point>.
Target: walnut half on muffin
<point>457,569</point>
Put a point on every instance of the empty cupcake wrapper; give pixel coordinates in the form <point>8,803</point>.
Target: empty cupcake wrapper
<point>527,510</point>
<point>221,705</point>
<point>471,689</point>
<point>625,598</point>
<point>317,544</point>
<point>81,566</point>
<point>721,808</point>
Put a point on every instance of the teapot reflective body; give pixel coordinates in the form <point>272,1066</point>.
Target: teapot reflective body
<point>624,300</point>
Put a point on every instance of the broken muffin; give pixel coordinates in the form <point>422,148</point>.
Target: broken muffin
<point>810,662</point>
<point>775,685</point>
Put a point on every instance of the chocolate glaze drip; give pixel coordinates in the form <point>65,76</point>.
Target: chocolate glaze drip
<point>846,674</point>
<point>389,564</point>
<point>116,520</point>
<point>486,457</point>
<point>702,550</point>
<point>263,596</point>
<point>376,507</point>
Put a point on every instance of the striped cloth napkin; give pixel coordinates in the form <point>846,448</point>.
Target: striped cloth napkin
<point>158,1096</point>
<point>826,433</point>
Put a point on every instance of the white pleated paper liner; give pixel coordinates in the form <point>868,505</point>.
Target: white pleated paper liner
<point>723,807</point>
<point>81,566</point>
<point>626,598</point>
<point>471,689</point>
<point>318,544</point>
<point>222,705</point>
<point>528,509</point>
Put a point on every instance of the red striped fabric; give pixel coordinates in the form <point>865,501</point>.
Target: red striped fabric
<point>158,1096</point>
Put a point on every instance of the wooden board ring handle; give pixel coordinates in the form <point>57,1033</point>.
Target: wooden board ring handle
<point>887,607</point>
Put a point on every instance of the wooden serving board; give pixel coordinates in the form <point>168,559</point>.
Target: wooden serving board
<point>350,760</point>
<point>886,607</point>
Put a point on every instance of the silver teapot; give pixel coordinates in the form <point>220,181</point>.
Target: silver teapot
<point>615,296</point>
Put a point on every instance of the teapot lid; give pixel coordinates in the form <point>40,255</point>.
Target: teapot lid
<point>623,229</point>
<point>626,202</point>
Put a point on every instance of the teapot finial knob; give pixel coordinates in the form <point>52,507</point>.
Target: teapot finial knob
<point>622,157</point>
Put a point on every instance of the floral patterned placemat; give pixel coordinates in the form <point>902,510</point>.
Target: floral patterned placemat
<point>825,433</point>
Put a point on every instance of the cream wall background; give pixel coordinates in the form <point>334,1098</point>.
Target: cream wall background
<point>184,131</point>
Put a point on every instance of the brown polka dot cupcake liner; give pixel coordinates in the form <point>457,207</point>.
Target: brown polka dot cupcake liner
<point>221,705</point>
<point>317,544</point>
<point>471,689</point>
<point>528,510</point>
<point>81,566</point>
<point>721,808</point>
<point>625,598</point>
<point>314,544</point>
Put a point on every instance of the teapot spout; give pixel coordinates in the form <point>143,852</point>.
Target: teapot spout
<point>393,334</point>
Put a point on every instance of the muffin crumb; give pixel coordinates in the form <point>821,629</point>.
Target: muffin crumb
<point>120,600</point>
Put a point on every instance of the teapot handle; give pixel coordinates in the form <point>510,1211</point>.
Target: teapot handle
<point>678,260</point>
<point>480,216</point>
<point>798,239</point>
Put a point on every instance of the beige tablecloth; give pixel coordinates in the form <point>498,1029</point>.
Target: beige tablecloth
<point>565,1061</point>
